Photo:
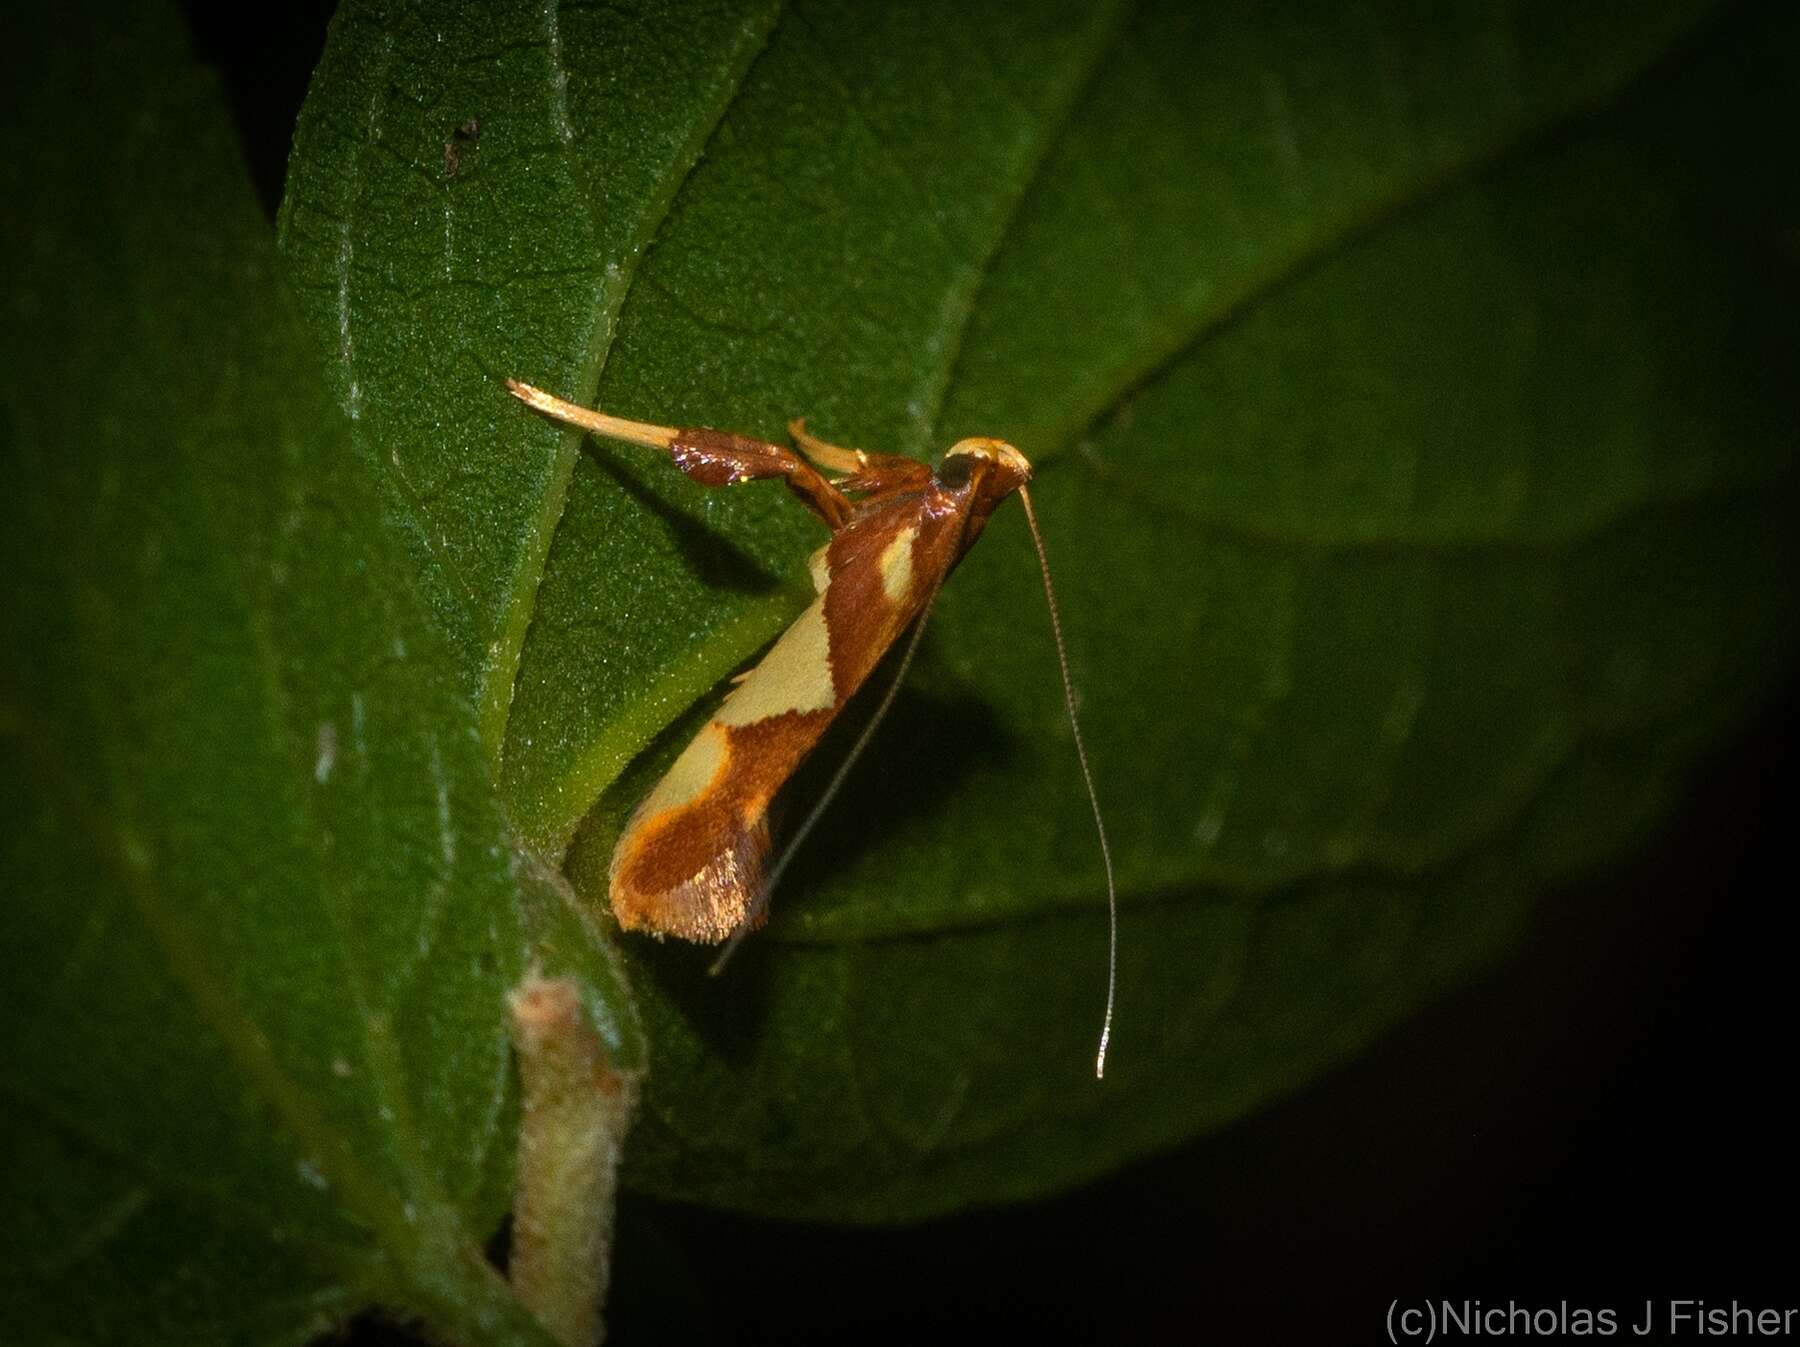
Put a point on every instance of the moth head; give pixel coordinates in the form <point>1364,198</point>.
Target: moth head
<point>998,452</point>
<point>994,467</point>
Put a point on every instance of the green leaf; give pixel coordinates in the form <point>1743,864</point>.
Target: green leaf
<point>471,191</point>
<point>1414,449</point>
<point>261,909</point>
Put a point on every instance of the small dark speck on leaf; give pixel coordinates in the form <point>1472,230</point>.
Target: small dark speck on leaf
<point>461,138</point>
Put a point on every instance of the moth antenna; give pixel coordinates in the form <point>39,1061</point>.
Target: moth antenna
<point>1087,775</point>
<point>761,903</point>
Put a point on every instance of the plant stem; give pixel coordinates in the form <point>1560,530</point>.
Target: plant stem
<point>575,1111</point>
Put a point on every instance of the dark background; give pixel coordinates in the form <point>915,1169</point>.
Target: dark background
<point>1601,1121</point>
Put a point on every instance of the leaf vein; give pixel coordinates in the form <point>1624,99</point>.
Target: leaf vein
<point>958,311</point>
<point>1207,311</point>
<point>518,606</point>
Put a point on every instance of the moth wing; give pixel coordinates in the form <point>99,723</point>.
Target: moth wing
<point>709,905</point>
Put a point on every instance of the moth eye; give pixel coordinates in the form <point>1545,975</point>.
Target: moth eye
<point>955,471</point>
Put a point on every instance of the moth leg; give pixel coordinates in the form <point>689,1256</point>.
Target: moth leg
<point>710,457</point>
<point>832,457</point>
<point>595,423</point>
<point>873,474</point>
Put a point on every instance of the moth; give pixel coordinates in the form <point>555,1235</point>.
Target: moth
<point>691,860</point>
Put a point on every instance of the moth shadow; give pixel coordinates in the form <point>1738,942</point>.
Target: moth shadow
<point>934,737</point>
<point>726,1014</point>
<point>715,559</point>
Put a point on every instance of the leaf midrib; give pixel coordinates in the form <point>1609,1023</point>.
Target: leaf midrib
<point>499,679</point>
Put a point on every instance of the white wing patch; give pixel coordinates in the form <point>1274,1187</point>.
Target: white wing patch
<point>689,776</point>
<point>794,676</point>
<point>896,562</point>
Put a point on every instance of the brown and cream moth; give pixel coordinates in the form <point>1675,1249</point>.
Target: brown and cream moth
<point>691,860</point>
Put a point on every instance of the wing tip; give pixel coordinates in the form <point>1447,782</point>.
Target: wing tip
<point>707,908</point>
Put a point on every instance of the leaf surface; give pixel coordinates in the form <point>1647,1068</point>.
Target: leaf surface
<point>1414,450</point>
<point>262,909</point>
<point>472,190</point>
